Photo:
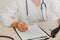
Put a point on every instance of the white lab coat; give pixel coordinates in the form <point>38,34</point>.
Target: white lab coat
<point>15,10</point>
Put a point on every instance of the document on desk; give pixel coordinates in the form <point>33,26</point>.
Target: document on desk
<point>33,32</point>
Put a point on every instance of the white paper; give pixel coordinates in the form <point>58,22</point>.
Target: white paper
<point>33,32</point>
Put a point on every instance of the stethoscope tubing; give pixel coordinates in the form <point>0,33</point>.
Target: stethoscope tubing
<point>7,37</point>
<point>27,8</point>
<point>43,3</point>
<point>44,9</point>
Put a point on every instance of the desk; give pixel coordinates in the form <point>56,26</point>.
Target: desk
<point>48,26</point>
<point>10,32</point>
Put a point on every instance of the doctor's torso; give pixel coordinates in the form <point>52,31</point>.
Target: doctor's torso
<point>34,12</point>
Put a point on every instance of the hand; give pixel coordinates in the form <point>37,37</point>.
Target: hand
<point>59,22</point>
<point>14,24</point>
<point>22,27</point>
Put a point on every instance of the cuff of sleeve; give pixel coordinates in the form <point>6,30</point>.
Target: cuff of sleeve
<point>7,22</point>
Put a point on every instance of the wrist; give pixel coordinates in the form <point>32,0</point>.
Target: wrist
<point>59,22</point>
<point>14,24</point>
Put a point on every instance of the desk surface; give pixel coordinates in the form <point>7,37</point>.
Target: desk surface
<point>48,26</point>
<point>8,31</point>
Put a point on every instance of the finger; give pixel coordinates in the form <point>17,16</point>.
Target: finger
<point>21,24</point>
<point>22,29</point>
<point>25,24</point>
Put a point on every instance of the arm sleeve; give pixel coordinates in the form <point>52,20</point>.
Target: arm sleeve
<point>8,12</point>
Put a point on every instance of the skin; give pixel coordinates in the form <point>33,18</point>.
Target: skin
<point>56,30</point>
<point>36,2</point>
<point>21,26</point>
<point>59,22</point>
<point>14,24</point>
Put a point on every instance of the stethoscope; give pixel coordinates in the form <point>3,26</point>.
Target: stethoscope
<point>6,37</point>
<point>43,9</point>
